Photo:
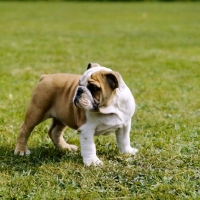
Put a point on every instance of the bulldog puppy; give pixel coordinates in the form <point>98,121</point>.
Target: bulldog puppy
<point>96,103</point>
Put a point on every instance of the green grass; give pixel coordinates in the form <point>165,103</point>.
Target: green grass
<point>156,48</point>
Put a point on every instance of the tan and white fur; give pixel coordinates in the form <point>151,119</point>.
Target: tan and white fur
<point>96,103</point>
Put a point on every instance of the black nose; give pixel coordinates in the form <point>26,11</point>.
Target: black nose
<point>79,91</point>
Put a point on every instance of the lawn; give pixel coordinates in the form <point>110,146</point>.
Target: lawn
<point>155,47</point>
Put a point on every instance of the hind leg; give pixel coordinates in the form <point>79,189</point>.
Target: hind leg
<point>34,116</point>
<point>56,135</point>
<point>21,147</point>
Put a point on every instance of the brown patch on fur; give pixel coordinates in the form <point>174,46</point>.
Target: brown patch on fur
<point>107,82</point>
<point>52,98</point>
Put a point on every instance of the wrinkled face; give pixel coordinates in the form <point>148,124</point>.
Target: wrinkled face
<point>96,88</point>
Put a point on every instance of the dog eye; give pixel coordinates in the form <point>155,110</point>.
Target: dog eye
<point>93,88</point>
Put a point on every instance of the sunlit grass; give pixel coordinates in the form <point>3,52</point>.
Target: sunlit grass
<point>155,46</point>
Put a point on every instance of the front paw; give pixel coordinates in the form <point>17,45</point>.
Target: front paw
<point>92,161</point>
<point>130,150</point>
<point>133,151</point>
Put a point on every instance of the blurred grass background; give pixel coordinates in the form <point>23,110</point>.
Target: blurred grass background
<point>155,47</point>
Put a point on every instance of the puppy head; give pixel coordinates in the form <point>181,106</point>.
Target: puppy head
<point>97,87</point>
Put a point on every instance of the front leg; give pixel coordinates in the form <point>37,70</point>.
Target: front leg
<point>88,148</point>
<point>123,139</point>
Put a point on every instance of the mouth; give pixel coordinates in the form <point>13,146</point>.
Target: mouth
<point>92,107</point>
<point>84,99</point>
<point>76,103</point>
<point>95,108</point>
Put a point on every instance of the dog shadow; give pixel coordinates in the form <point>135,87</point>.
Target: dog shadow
<point>47,154</point>
<point>39,156</point>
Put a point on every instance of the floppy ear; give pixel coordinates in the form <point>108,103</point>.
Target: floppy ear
<point>112,80</point>
<point>90,65</point>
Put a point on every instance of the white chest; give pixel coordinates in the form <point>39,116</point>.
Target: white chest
<point>103,129</point>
